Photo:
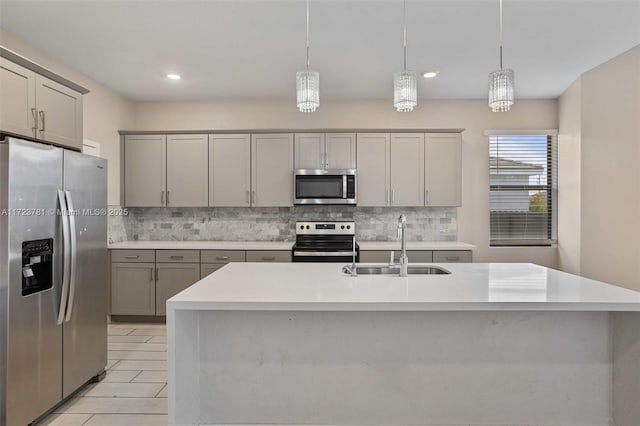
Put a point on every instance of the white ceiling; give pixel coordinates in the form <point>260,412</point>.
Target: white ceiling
<point>252,49</point>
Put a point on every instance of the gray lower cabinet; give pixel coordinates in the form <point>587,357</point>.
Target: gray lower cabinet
<point>171,279</point>
<point>417,256</point>
<point>212,260</point>
<point>268,256</point>
<point>443,256</point>
<point>133,288</point>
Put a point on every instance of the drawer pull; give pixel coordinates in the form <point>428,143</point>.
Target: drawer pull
<point>453,258</point>
<point>177,257</point>
<point>269,258</point>
<point>222,257</point>
<point>132,256</point>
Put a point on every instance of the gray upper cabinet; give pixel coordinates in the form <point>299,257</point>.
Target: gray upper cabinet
<point>325,150</point>
<point>373,169</point>
<point>272,170</point>
<point>230,170</point>
<point>309,151</point>
<point>34,106</point>
<point>407,169</point>
<point>187,171</point>
<point>145,170</point>
<point>443,169</point>
<point>59,113</point>
<point>17,99</point>
<point>166,171</point>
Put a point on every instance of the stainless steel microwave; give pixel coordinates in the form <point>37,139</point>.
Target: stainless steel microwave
<point>324,186</point>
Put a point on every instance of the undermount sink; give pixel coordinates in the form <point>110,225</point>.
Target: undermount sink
<point>390,270</point>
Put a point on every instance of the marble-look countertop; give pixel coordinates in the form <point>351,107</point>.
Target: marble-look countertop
<point>469,287</point>
<point>281,245</point>
<point>415,245</point>
<point>202,245</point>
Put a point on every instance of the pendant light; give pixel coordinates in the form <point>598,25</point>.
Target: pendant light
<point>501,83</point>
<point>308,83</point>
<point>405,83</point>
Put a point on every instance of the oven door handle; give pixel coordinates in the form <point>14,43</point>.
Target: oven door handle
<point>322,253</point>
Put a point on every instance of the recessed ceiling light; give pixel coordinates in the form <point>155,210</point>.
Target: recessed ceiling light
<point>173,76</point>
<point>430,74</point>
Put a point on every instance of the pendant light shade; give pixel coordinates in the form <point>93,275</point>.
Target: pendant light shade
<point>308,90</point>
<point>405,83</point>
<point>501,82</point>
<point>405,91</point>
<point>501,90</point>
<point>308,83</point>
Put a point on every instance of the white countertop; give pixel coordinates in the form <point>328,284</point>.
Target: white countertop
<point>203,245</point>
<point>281,245</point>
<point>469,287</point>
<point>415,245</point>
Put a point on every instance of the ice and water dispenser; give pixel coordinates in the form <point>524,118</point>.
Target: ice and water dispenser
<point>37,266</point>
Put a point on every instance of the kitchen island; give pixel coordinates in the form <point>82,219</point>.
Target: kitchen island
<point>489,344</point>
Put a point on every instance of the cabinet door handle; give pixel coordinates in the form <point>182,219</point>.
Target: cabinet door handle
<point>168,192</point>
<point>326,160</point>
<point>151,273</point>
<point>177,257</point>
<point>222,257</point>
<point>268,258</point>
<point>393,197</point>
<point>162,197</point>
<point>453,257</point>
<point>426,196</point>
<point>34,116</point>
<point>157,274</point>
<point>254,197</point>
<point>133,256</point>
<point>387,200</point>
<point>42,121</point>
<point>248,195</point>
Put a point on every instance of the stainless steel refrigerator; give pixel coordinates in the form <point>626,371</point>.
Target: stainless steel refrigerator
<point>53,272</point>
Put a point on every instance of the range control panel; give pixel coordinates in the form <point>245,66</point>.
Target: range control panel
<point>325,228</point>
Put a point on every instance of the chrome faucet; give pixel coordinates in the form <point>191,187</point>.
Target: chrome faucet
<point>402,235</point>
<point>352,269</point>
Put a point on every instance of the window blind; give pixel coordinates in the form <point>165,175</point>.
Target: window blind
<point>523,189</point>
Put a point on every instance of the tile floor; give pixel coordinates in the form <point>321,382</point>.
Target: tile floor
<point>134,391</point>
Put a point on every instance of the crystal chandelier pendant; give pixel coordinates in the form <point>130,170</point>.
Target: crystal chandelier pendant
<point>308,90</point>
<point>405,91</point>
<point>501,90</point>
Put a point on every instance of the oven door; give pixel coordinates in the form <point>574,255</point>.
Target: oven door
<point>323,187</point>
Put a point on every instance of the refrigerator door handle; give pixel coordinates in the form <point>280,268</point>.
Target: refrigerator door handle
<point>66,257</point>
<point>74,256</point>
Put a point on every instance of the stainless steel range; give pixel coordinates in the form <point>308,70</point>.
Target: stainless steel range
<point>325,242</point>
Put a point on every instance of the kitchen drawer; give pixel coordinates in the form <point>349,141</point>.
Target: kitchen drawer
<point>222,256</point>
<point>178,256</point>
<point>382,256</point>
<point>209,268</point>
<point>133,255</point>
<point>452,256</point>
<point>268,256</point>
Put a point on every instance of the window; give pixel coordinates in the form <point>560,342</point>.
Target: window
<point>523,188</point>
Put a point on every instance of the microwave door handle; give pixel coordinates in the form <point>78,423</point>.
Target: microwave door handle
<point>66,257</point>
<point>344,186</point>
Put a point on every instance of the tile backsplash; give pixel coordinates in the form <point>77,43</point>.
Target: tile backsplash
<point>277,224</point>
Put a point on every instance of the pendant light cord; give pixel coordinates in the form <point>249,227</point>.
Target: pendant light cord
<point>500,34</point>
<point>307,35</point>
<point>404,32</point>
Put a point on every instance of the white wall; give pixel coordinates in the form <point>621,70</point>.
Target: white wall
<point>474,115</point>
<point>105,111</point>
<point>569,179</point>
<point>610,171</point>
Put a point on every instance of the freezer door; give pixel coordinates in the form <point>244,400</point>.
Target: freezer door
<point>32,340</point>
<point>85,325</point>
